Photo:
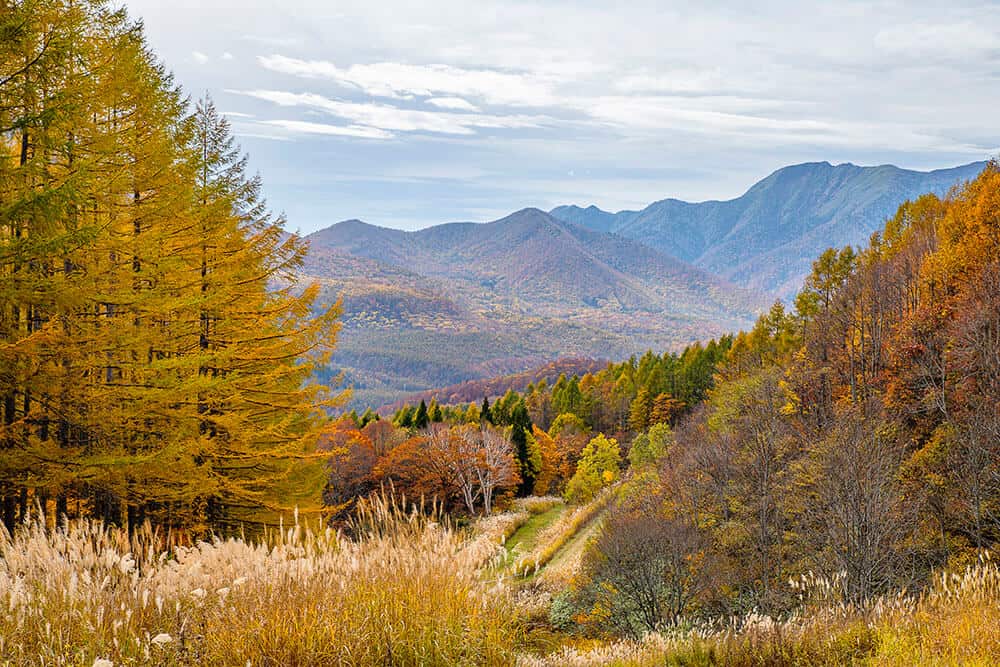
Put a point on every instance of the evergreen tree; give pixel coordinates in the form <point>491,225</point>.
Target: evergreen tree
<point>367,417</point>
<point>421,419</point>
<point>484,413</point>
<point>404,418</point>
<point>529,460</point>
<point>150,371</point>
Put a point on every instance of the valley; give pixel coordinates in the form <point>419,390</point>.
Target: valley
<point>464,301</point>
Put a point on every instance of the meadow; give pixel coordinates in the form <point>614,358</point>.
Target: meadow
<point>409,592</point>
<point>414,590</point>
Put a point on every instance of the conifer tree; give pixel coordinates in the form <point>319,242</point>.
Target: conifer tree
<point>404,418</point>
<point>367,417</point>
<point>528,457</point>
<point>155,348</point>
<point>639,412</point>
<point>434,411</point>
<point>420,419</point>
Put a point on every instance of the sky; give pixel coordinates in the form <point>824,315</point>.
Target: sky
<point>407,114</point>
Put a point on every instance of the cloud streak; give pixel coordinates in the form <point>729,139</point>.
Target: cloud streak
<point>404,81</point>
<point>392,118</point>
<point>305,127</point>
<point>455,103</point>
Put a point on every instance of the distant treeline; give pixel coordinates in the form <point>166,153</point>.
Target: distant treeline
<point>619,398</point>
<point>494,387</point>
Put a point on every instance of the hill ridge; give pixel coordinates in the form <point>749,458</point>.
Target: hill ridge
<point>461,301</point>
<point>792,214</point>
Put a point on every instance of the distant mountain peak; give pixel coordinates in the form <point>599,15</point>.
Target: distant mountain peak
<point>529,213</point>
<point>458,301</point>
<point>767,238</point>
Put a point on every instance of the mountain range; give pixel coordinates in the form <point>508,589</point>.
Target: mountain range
<point>767,238</point>
<point>462,301</point>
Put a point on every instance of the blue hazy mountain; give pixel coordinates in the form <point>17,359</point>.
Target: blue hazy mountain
<point>767,238</point>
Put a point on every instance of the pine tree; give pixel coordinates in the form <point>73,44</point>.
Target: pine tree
<point>367,417</point>
<point>420,419</point>
<point>159,351</point>
<point>434,411</point>
<point>528,457</point>
<point>484,413</point>
<point>404,418</point>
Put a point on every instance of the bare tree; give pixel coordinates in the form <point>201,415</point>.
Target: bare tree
<point>645,569</point>
<point>706,468</point>
<point>974,365</point>
<point>495,465</point>
<point>764,453</point>
<point>974,466</point>
<point>455,456</point>
<point>860,503</point>
<point>476,461</point>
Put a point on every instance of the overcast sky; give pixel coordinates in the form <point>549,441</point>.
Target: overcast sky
<point>407,114</point>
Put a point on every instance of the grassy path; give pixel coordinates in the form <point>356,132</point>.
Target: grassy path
<point>574,548</point>
<point>524,539</point>
<point>566,561</point>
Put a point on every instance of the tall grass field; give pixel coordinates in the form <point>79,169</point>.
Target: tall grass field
<point>407,590</point>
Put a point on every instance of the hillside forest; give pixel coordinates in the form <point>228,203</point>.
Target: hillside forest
<point>853,435</point>
<point>822,488</point>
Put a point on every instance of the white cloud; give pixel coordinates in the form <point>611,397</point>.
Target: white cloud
<point>199,57</point>
<point>456,103</point>
<point>303,127</point>
<point>237,114</point>
<point>726,90</point>
<point>399,80</point>
<point>393,118</point>
<point>667,113</point>
<point>227,55</point>
<point>936,39</point>
<point>677,81</point>
<point>260,135</point>
<point>664,114</point>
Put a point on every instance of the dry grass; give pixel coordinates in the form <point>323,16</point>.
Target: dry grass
<point>554,537</point>
<point>409,593</point>
<point>412,592</point>
<point>537,504</point>
<point>956,622</point>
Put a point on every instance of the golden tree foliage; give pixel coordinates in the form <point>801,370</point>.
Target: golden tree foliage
<point>154,354</point>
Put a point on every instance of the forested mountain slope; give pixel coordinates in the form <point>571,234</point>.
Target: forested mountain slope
<point>462,301</point>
